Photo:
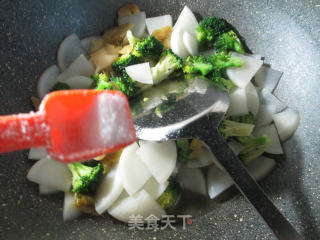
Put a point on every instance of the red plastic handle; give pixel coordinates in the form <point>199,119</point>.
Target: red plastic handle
<point>23,131</point>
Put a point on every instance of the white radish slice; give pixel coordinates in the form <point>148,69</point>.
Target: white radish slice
<point>138,20</point>
<point>80,67</point>
<point>47,80</point>
<point>267,78</point>
<point>177,44</point>
<point>241,76</point>
<point>218,180</point>
<point>134,173</point>
<point>204,160</point>
<point>190,43</point>
<point>286,123</point>
<point>271,132</point>
<point>154,188</point>
<point>45,190</point>
<point>235,147</point>
<point>252,99</point>
<point>37,153</point>
<point>109,190</point>
<point>187,22</point>
<point>159,22</point>
<point>266,111</point>
<point>192,179</point>
<point>70,211</point>
<point>208,53</point>
<point>69,49</point>
<point>79,82</point>
<point>140,203</point>
<point>140,72</point>
<point>238,102</point>
<point>88,43</point>
<point>160,158</point>
<point>267,97</point>
<point>51,173</point>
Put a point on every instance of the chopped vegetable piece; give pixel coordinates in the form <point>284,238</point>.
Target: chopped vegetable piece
<point>148,48</point>
<point>128,9</point>
<point>183,150</point>
<point>116,35</point>
<point>229,41</point>
<point>164,36</point>
<point>196,65</point>
<point>170,198</point>
<point>85,203</point>
<point>229,128</point>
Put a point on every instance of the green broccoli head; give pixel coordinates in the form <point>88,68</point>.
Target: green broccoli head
<point>228,41</point>
<point>125,61</point>
<point>170,198</point>
<point>221,61</point>
<point>167,64</point>
<point>183,149</point>
<point>148,48</point>
<point>222,83</point>
<point>229,128</point>
<point>253,147</point>
<point>196,65</point>
<point>85,179</point>
<point>125,84</point>
<point>209,29</point>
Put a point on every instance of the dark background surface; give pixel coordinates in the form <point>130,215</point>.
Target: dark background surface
<point>285,32</point>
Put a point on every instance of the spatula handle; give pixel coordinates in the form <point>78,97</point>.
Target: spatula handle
<point>22,131</point>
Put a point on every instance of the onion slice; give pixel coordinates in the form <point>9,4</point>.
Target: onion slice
<point>140,72</point>
<point>79,82</point>
<point>286,123</point>
<point>238,102</point>
<point>190,43</point>
<point>252,99</point>
<point>37,153</point>
<point>271,132</point>
<point>159,22</point>
<point>266,111</point>
<point>187,22</point>
<point>47,80</point>
<point>267,78</point>
<point>70,211</point>
<point>192,179</point>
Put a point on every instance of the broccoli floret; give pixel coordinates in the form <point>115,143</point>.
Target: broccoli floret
<point>229,128</point>
<point>125,84</point>
<point>197,64</point>
<point>148,48</point>
<point>132,39</point>
<point>167,64</point>
<point>85,179</point>
<point>228,41</point>
<point>60,86</point>
<point>222,83</point>
<point>244,118</point>
<point>183,149</point>
<point>125,61</point>
<point>253,148</point>
<point>170,198</point>
<point>221,61</point>
<point>209,29</point>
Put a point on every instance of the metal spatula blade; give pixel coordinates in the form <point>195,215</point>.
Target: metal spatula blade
<point>194,109</point>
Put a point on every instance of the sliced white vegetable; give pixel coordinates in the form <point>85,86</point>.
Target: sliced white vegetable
<point>70,211</point>
<point>238,102</point>
<point>88,43</point>
<point>37,153</point>
<point>51,173</point>
<point>69,49</point>
<point>47,80</point>
<point>187,22</point>
<point>267,97</point>
<point>252,99</point>
<point>204,160</point>
<point>267,78</point>
<point>235,147</point>
<point>286,123</point>
<point>109,190</point>
<point>79,82</point>
<point>218,180</point>
<point>80,67</point>
<point>160,158</point>
<point>159,22</point>
<point>140,203</point>
<point>140,72</point>
<point>154,188</point>
<point>45,190</point>
<point>265,115</point>
<point>192,179</point>
<point>134,173</point>
<point>271,132</point>
<point>177,44</point>
<point>242,76</point>
<point>138,20</point>
<point>190,43</point>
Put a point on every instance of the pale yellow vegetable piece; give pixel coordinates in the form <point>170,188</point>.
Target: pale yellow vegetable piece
<point>163,35</point>
<point>116,35</point>
<point>125,49</point>
<point>104,57</point>
<point>128,9</point>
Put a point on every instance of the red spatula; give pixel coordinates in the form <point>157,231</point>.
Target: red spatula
<point>73,125</point>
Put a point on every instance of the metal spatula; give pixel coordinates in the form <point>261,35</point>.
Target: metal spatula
<point>193,109</point>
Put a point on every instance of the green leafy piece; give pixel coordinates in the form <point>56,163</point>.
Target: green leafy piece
<point>196,65</point>
<point>183,149</point>
<point>222,60</point>
<point>244,118</point>
<point>167,64</point>
<point>170,198</point>
<point>229,41</point>
<point>209,29</point>
<point>85,179</point>
<point>148,48</point>
<point>60,86</point>
<point>229,128</point>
